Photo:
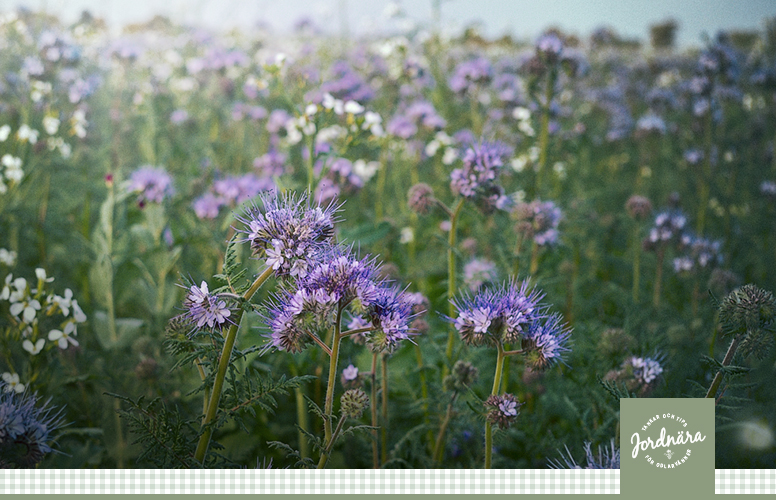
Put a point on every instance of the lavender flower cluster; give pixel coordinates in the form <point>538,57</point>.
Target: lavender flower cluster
<point>513,313</point>
<point>538,221</point>
<point>476,180</point>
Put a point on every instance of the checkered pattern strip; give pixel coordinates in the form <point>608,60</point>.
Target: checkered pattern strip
<point>523,481</point>
<point>745,481</point>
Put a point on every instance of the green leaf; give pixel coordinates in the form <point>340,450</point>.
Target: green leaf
<point>127,330</point>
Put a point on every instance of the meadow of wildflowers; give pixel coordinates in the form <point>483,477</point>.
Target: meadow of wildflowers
<point>225,249</point>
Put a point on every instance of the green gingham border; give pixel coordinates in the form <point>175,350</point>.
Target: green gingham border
<point>452,481</point>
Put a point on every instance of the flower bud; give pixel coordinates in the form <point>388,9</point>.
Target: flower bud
<point>502,410</point>
<point>464,374</point>
<point>353,403</point>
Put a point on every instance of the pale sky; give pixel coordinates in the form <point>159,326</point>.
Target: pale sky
<point>524,19</point>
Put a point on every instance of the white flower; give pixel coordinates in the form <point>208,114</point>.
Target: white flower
<point>7,257</point>
<point>28,309</point>
<point>353,108</point>
<point>78,314</point>
<point>311,109</point>
<point>25,133</point>
<point>521,113</point>
<point>51,125</point>
<point>41,274</point>
<point>33,349</point>
<point>62,338</point>
<point>5,131</point>
<point>12,383</point>
<point>407,235</point>
<point>365,170</point>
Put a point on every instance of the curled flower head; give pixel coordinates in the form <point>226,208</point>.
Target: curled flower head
<point>353,403</point>
<point>463,375</point>
<point>638,373</point>
<point>749,312</point>
<point>638,207</point>
<point>26,428</point>
<point>502,315</point>
<point>289,233</point>
<point>477,179</point>
<point>420,198</point>
<point>539,221</point>
<point>546,342</point>
<point>502,410</point>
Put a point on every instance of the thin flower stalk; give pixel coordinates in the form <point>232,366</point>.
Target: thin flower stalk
<point>223,364</point>
<point>451,275</point>
<point>496,385</point>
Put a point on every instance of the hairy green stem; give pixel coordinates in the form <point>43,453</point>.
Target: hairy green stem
<point>658,277</point>
<point>384,409</point>
<point>223,364</point>
<point>329,404</point>
<point>496,384</point>
<point>439,448</point>
<point>636,264</point>
<point>375,453</point>
<point>725,362</point>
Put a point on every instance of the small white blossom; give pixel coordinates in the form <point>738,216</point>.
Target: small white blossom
<point>33,348</point>
<point>7,257</point>
<point>5,131</point>
<point>51,125</point>
<point>27,134</point>
<point>12,383</point>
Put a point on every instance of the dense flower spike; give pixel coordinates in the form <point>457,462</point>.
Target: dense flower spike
<point>498,315</point>
<point>289,233</point>
<point>353,403</point>
<point>26,428</point>
<point>502,410</point>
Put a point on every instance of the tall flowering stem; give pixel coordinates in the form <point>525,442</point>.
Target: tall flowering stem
<point>223,364</point>
<point>725,362</point>
<point>329,404</point>
<point>544,131</point>
<point>384,408</point>
<point>375,451</point>
<point>451,273</point>
<point>494,392</point>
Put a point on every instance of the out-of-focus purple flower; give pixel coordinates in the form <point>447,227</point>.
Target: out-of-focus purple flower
<point>153,184</point>
<point>340,179</point>
<point>179,116</point>
<point>271,164</point>
<point>549,47</point>
<point>650,124</point>
<point>207,206</point>
<point>470,74</point>
<point>768,188</point>
<point>701,253</point>
<point>478,272</point>
<point>277,120</point>
<point>346,84</point>
<point>476,180</point>
<point>236,190</point>
<point>539,221</point>
<point>669,228</point>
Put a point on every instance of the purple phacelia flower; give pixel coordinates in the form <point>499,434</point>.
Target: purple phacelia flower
<point>152,184</point>
<point>26,428</point>
<point>207,206</point>
<point>669,228</point>
<point>768,188</point>
<point>478,272</point>
<point>470,74</point>
<point>202,308</point>
<point>502,410</point>
<point>539,221</point>
<point>501,315</point>
<point>546,343</point>
<point>476,180</point>
<point>289,232</point>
